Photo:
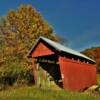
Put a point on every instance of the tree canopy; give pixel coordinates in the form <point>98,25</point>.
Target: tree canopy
<point>20,30</point>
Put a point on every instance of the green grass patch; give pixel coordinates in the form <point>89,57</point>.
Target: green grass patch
<point>33,93</point>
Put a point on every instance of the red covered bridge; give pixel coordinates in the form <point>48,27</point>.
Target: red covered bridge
<point>56,64</point>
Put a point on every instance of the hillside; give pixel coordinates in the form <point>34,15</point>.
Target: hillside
<point>94,53</point>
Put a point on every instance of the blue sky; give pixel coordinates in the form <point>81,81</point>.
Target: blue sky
<point>76,20</point>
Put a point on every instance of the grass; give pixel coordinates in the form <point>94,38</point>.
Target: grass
<point>33,93</point>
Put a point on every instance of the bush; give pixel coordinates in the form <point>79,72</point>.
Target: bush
<point>15,73</point>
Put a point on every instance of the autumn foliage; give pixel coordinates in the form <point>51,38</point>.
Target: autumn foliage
<point>18,32</point>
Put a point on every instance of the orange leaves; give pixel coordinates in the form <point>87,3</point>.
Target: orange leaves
<point>11,14</point>
<point>22,28</point>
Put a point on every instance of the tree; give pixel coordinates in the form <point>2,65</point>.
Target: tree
<point>22,28</point>
<point>18,32</point>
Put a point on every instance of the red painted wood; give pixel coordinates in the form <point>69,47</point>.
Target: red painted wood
<point>41,50</point>
<point>77,75</point>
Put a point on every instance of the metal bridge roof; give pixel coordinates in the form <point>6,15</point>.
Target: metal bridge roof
<point>60,47</point>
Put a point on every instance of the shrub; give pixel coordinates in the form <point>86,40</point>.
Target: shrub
<point>15,73</point>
